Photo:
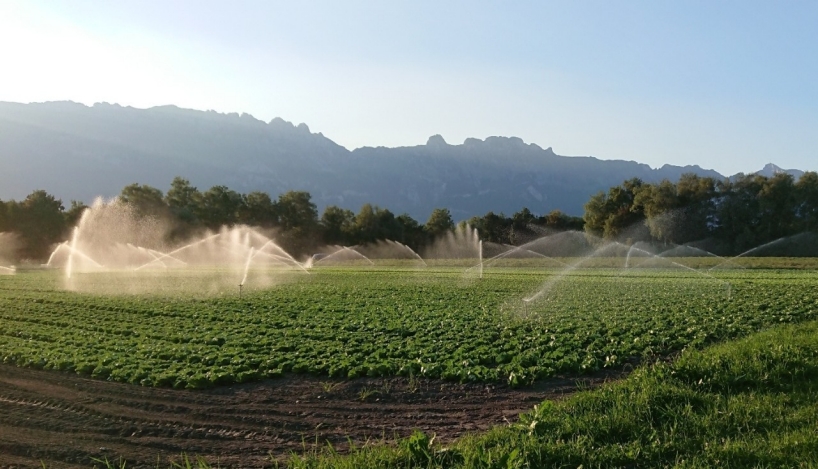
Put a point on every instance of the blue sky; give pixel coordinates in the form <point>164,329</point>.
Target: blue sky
<point>726,85</point>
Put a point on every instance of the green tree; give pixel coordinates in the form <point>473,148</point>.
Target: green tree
<point>659,202</point>
<point>777,205</point>
<point>493,227</point>
<point>614,214</point>
<point>145,200</point>
<point>40,224</point>
<point>559,221</point>
<point>411,232</point>
<point>183,200</point>
<point>73,214</point>
<point>5,216</point>
<point>220,207</point>
<point>338,225</point>
<point>595,214</point>
<point>258,209</point>
<point>738,212</point>
<point>298,222</point>
<point>807,201</point>
<point>439,222</point>
<point>373,223</point>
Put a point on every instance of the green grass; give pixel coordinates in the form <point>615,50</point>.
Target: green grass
<point>751,400</point>
<point>386,322</point>
<point>748,403</point>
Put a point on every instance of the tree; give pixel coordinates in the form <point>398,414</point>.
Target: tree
<point>220,207</point>
<point>807,206</point>
<point>373,223</point>
<point>658,203</point>
<point>73,214</point>
<point>338,225</point>
<point>439,222</point>
<point>737,218</point>
<point>298,221</point>
<point>5,216</point>
<point>559,221</point>
<point>493,227</point>
<point>595,214</point>
<point>522,219</point>
<point>258,209</point>
<point>777,204</point>
<point>40,223</point>
<point>182,197</point>
<point>613,214</point>
<point>411,232</point>
<point>184,203</point>
<point>144,200</point>
<point>296,210</point>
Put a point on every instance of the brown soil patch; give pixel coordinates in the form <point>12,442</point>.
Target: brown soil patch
<point>65,420</point>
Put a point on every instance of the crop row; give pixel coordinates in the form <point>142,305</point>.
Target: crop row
<point>350,324</point>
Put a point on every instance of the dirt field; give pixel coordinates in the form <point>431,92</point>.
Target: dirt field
<point>64,420</point>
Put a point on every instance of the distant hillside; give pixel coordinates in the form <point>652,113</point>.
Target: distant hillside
<point>79,152</point>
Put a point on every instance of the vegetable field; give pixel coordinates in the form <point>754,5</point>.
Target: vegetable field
<point>387,322</point>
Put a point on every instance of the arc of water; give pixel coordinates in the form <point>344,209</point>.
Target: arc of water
<point>72,250</point>
<point>413,252</point>
<point>684,246</point>
<point>69,265</point>
<point>670,252</point>
<point>480,255</point>
<point>280,259</point>
<point>150,254</point>
<point>521,249</point>
<point>8,269</point>
<point>188,246</point>
<point>260,237</point>
<point>691,269</point>
<point>352,250</point>
<point>160,254</point>
<point>553,280</point>
<point>514,249</point>
<point>755,249</point>
<point>343,248</point>
<point>54,252</point>
<point>84,256</point>
<point>247,267</point>
<point>286,256</point>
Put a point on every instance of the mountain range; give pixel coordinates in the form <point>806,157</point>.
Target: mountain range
<point>77,152</point>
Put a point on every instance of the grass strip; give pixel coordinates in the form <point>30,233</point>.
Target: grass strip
<point>752,402</point>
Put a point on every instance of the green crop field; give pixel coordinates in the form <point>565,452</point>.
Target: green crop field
<point>354,322</point>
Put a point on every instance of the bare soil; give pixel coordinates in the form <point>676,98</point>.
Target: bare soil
<point>65,420</point>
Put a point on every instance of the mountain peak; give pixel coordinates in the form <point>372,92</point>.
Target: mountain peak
<point>769,170</point>
<point>436,140</point>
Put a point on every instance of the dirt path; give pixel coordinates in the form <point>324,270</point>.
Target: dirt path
<point>65,420</point>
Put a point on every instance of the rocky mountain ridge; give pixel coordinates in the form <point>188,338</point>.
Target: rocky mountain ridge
<point>79,152</point>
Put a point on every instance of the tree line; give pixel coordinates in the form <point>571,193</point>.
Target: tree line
<point>41,220</point>
<point>730,215</point>
<point>727,217</point>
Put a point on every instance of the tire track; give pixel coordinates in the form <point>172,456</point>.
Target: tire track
<point>65,420</point>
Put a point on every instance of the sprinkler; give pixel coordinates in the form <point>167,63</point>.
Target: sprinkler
<point>240,285</point>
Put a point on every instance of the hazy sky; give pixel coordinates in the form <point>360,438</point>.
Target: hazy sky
<point>728,85</point>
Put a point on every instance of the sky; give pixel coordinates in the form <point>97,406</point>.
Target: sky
<point>727,85</point>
